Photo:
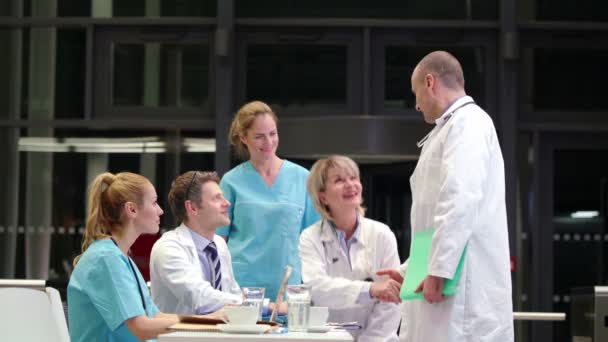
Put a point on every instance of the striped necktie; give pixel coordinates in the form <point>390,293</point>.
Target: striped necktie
<point>211,250</point>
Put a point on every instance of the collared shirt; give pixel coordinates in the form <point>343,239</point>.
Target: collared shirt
<point>200,243</point>
<point>345,245</point>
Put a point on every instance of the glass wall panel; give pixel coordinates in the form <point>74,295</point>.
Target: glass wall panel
<point>400,61</point>
<point>432,9</point>
<point>297,75</point>
<point>580,239</point>
<point>569,79</point>
<point>160,75</point>
<point>76,157</point>
<point>70,74</point>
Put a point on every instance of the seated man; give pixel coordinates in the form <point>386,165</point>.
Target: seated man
<point>190,266</point>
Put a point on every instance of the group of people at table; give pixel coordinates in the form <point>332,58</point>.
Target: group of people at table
<point>268,212</point>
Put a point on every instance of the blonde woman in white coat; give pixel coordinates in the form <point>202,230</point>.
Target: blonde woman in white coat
<point>342,252</point>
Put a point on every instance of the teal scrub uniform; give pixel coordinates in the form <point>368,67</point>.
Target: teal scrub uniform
<point>103,294</point>
<point>266,223</point>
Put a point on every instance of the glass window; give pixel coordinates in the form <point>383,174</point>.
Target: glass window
<point>431,9</point>
<point>70,74</point>
<point>297,75</point>
<point>567,10</point>
<point>54,173</point>
<point>579,239</point>
<point>160,75</point>
<point>400,61</point>
<point>560,84</point>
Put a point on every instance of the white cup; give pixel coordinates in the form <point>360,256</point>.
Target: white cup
<point>318,316</point>
<point>241,315</point>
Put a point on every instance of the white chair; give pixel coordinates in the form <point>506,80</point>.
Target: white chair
<point>32,315</point>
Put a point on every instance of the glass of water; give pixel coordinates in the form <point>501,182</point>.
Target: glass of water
<point>298,303</point>
<point>254,296</point>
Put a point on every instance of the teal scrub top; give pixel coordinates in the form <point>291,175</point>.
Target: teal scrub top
<point>103,294</point>
<point>266,223</point>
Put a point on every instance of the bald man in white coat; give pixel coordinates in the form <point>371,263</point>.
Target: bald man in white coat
<point>458,190</point>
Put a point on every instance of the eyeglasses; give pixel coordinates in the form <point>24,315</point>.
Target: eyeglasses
<point>190,185</point>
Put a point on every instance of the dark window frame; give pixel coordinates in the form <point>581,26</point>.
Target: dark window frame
<point>562,39</point>
<point>106,37</point>
<point>484,39</point>
<point>347,37</point>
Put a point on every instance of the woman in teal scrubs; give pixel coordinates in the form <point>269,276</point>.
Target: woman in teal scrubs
<point>107,297</point>
<point>270,205</point>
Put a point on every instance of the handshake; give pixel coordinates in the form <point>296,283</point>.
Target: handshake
<point>387,290</point>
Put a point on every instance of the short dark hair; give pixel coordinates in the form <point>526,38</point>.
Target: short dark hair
<point>186,187</point>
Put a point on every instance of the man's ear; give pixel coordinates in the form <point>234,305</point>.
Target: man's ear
<point>429,80</point>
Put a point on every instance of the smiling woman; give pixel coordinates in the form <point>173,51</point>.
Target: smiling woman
<point>270,206</point>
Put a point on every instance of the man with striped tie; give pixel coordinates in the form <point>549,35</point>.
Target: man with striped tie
<point>190,266</point>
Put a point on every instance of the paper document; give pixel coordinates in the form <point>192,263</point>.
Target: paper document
<point>418,267</point>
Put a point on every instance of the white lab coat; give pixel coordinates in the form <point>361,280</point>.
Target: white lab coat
<point>334,284</point>
<point>458,189</point>
<point>177,282</point>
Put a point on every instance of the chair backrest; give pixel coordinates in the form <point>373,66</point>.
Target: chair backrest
<point>32,315</point>
<point>36,284</point>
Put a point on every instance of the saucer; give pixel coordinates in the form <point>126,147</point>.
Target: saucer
<point>320,328</point>
<point>243,328</point>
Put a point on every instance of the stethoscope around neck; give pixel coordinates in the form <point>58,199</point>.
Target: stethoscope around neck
<point>335,255</point>
<point>423,141</point>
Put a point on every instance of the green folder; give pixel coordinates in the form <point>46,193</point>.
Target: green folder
<point>417,268</point>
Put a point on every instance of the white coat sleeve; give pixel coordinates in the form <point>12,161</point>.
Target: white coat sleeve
<point>334,292</point>
<point>463,172</point>
<point>403,268</point>
<point>180,275</point>
<point>383,320</point>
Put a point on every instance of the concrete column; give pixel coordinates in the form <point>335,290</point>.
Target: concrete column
<point>147,166</point>
<point>10,68</point>
<point>39,174</point>
<point>152,62</point>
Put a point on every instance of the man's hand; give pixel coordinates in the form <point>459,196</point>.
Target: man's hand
<point>432,288</point>
<point>392,273</point>
<point>386,290</point>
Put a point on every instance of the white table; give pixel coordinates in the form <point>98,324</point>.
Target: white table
<point>196,336</point>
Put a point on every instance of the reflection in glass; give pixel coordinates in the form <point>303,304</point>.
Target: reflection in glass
<point>156,75</point>
<point>297,75</point>
<point>400,61</point>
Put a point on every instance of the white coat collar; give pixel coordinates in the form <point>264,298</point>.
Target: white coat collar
<point>450,111</point>
<point>328,234</point>
<point>183,233</point>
